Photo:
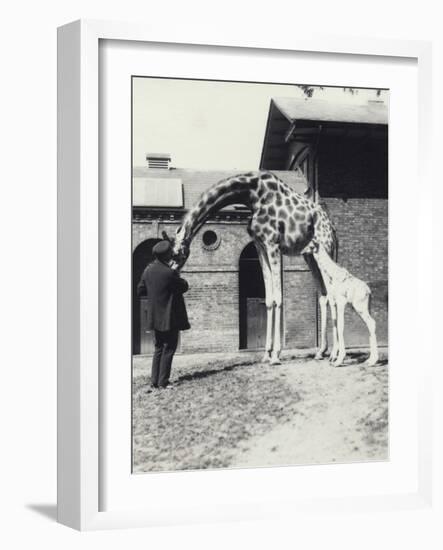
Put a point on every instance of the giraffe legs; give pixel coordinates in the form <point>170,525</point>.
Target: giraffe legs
<point>340,333</point>
<point>323,302</point>
<point>278,298</point>
<point>270,261</point>
<point>269,330</point>
<point>333,307</point>
<point>275,355</point>
<point>268,299</point>
<point>362,308</point>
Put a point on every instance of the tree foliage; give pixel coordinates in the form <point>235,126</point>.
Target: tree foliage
<point>309,90</point>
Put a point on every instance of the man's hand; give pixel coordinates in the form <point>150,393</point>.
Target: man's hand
<point>174,265</point>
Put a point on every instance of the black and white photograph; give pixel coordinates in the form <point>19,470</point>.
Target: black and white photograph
<point>259,274</point>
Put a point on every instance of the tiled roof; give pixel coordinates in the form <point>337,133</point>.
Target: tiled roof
<point>374,112</point>
<point>195,182</point>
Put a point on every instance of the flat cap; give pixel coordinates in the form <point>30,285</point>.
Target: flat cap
<point>161,248</point>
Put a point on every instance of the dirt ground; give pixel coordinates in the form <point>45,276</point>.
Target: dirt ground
<point>233,411</point>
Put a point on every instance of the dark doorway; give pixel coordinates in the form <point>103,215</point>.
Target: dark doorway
<point>142,341</point>
<point>252,300</point>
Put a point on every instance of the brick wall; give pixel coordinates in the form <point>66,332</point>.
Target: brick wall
<point>213,297</point>
<point>362,229</point>
<point>353,182</point>
<point>299,308</point>
<point>213,275</point>
<point>213,308</point>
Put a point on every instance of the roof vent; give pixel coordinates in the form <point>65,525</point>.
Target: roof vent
<point>158,160</point>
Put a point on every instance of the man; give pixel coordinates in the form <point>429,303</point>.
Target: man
<point>166,310</point>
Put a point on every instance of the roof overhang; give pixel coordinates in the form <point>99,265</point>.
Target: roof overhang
<point>292,119</point>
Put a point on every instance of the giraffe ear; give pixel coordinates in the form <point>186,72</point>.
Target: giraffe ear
<point>165,236</point>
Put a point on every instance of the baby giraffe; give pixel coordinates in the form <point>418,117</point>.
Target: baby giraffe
<point>343,288</point>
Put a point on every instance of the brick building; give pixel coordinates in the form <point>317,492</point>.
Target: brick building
<point>342,149</point>
<point>342,154</point>
<point>226,297</point>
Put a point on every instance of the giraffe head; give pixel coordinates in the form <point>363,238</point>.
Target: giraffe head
<point>180,246</point>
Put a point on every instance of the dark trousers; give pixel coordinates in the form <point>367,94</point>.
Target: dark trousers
<point>165,346</point>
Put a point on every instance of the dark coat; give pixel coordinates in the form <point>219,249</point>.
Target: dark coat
<point>164,288</point>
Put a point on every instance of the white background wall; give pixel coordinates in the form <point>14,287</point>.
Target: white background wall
<point>28,246</point>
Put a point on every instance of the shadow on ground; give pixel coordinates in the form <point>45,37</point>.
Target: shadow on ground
<point>205,373</point>
<point>353,358</point>
<point>48,511</point>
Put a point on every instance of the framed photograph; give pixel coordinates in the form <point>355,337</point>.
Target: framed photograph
<point>233,218</point>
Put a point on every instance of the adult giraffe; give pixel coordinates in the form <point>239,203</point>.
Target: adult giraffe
<point>282,222</point>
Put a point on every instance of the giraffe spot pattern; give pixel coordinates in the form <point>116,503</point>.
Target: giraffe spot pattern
<point>298,215</point>
<point>268,198</point>
<point>302,227</point>
<point>294,213</point>
<point>262,219</point>
<point>267,176</point>
<point>261,188</point>
<point>300,207</point>
<point>262,212</point>
<point>236,185</point>
<point>211,198</point>
<point>253,182</point>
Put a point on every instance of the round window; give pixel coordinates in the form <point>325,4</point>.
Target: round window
<point>210,240</point>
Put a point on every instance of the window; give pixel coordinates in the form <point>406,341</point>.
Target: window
<point>210,240</point>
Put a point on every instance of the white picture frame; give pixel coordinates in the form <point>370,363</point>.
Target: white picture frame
<point>79,367</point>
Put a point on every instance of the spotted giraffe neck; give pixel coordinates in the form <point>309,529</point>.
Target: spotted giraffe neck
<point>233,190</point>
